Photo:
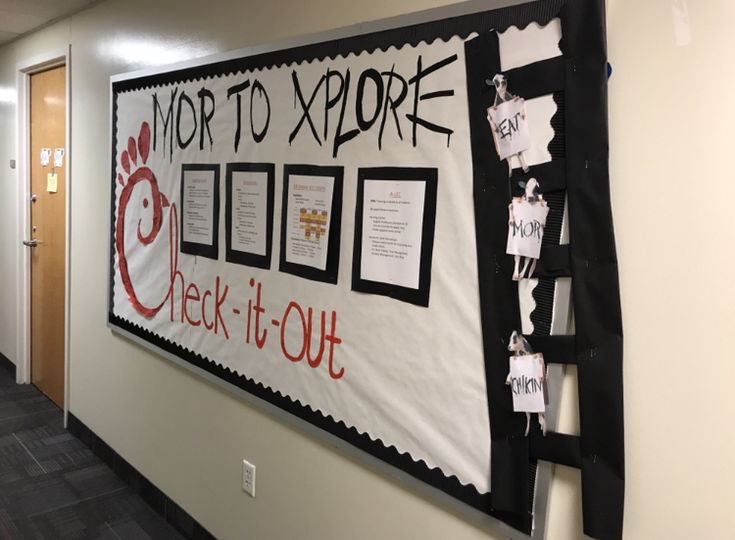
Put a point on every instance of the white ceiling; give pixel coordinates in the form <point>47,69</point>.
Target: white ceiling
<point>18,17</point>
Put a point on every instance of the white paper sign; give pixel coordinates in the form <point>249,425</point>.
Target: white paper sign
<point>526,380</point>
<point>526,227</point>
<point>307,220</point>
<point>249,211</point>
<point>198,207</point>
<point>52,183</point>
<point>509,126</point>
<point>45,156</point>
<point>392,224</point>
<point>58,157</point>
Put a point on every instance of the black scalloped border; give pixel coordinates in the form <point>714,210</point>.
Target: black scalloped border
<point>389,454</point>
<point>544,292</point>
<point>540,12</point>
<point>521,16</point>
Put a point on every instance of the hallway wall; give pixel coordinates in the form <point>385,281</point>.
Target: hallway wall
<point>674,243</point>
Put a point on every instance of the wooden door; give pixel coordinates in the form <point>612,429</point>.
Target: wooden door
<point>48,214</point>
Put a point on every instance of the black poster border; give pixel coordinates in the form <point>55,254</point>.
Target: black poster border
<point>419,296</point>
<point>242,257</point>
<point>195,248</point>
<point>331,273</point>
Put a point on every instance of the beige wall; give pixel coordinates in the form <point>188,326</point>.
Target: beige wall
<point>669,189</point>
<point>8,204</point>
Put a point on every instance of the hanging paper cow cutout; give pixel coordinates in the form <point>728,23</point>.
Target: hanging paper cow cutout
<point>526,223</point>
<point>527,380</point>
<point>507,119</point>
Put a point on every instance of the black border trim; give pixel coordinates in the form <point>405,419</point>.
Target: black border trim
<point>331,273</point>
<point>595,283</point>
<point>387,453</point>
<point>194,248</point>
<point>418,296</point>
<point>243,257</point>
<point>500,19</point>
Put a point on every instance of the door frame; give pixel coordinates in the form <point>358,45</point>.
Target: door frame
<point>24,70</point>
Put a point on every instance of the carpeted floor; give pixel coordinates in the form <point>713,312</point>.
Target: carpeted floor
<point>53,487</point>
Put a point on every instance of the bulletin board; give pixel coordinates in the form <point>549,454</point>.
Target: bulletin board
<point>322,226</point>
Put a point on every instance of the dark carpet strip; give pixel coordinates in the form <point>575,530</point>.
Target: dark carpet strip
<point>53,487</point>
<point>139,484</point>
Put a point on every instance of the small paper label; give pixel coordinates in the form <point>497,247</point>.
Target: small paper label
<point>509,126</point>
<point>526,228</point>
<point>51,182</point>
<point>528,383</point>
<point>58,157</point>
<point>45,156</point>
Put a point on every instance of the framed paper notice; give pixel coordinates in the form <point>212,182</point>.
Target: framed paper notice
<point>394,232</point>
<point>311,217</point>
<point>200,209</point>
<point>249,213</point>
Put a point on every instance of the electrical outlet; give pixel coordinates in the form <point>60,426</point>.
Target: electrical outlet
<point>248,477</point>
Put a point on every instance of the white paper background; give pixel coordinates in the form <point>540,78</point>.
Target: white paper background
<point>414,376</point>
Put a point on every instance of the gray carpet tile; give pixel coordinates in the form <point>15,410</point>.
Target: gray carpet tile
<point>53,487</point>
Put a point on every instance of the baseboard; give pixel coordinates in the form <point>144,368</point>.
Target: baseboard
<point>7,365</point>
<point>157,499</point>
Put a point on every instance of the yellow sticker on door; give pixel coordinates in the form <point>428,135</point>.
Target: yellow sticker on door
<point>51,183</point>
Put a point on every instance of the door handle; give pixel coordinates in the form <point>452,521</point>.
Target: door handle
<point>33,242</point>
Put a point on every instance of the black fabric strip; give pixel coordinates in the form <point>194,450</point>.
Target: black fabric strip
<point>554,262</point>
<point>555,219</point>
<point>555,448</point>
<point>500,313</point>
<point>543,295</point>
<point>556,349</point>
<point>595,289</point>
<point>535,80</point>
<point>558,146</point>
<point>551,176</point>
